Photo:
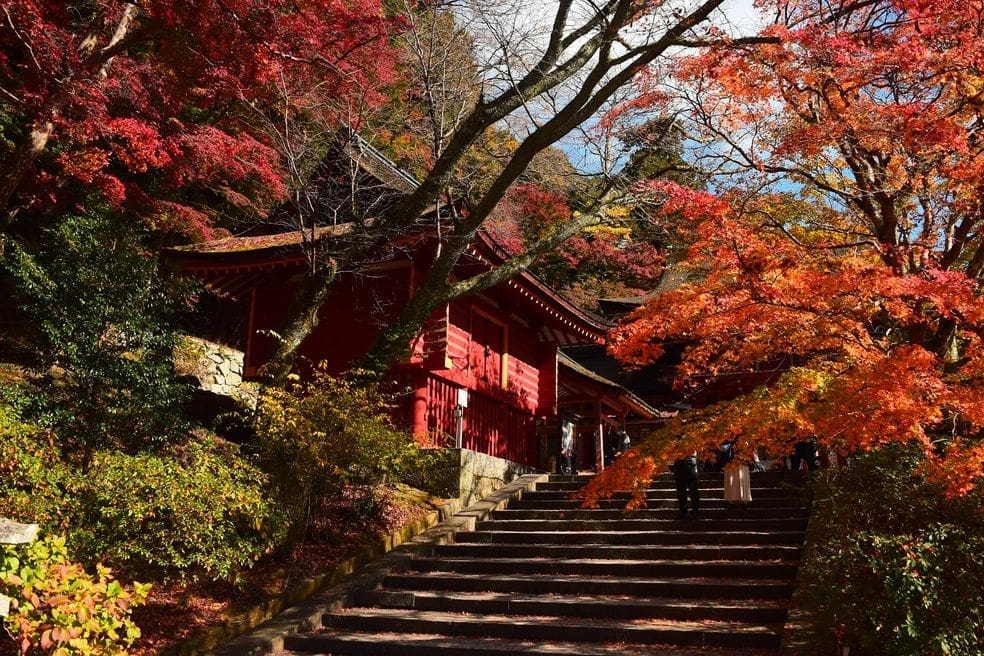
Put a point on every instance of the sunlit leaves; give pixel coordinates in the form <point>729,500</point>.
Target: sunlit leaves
<point>145,103</point>
<point>862,333</point>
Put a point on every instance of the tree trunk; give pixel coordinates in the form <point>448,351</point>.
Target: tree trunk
<point>22,160</point>
<point>393,344</point>
<point>301,320</point>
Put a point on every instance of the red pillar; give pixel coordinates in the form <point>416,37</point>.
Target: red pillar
<point>420,403</point>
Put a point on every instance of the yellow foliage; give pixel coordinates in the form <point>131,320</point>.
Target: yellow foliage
<point>614,231</point>
<point>617,211</point>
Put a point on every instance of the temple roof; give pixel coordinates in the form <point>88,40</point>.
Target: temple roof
<point>258,243</point>
<point>672,278</point>
<point>623,396</point>
<point>234,263</point>
<point>376,163</point>
<point>488,249</point>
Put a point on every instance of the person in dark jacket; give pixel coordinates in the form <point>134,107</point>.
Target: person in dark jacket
<point>685,475</point>
<point>805,451</point>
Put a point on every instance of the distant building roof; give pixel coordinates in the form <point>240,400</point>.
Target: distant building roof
<point>653,382</point>
<point>379,165</point>
<point>672,278</point>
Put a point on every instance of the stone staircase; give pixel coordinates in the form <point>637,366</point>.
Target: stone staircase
<point>545,577</point>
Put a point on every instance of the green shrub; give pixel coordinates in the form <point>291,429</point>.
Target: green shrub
<point>101,315</point>
<point>35,485</point>
<point>896,569</point>
<point>435,471</point>
<point>57,608</point>
<point>201,512</point>
<point>323,436</point>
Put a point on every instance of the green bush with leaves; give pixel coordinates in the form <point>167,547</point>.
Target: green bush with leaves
<point>198,511</point>
<point>35,484</point>
<point>195,510</point>
<point>435,471</point>
<point>323,436</point>
<point>101,313</point>
<point>896,568</point>
<point>58,608</point>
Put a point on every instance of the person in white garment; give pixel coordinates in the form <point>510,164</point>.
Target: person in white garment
<point>737,479</point>
<point>566,447</point>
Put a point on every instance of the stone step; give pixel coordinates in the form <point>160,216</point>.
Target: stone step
<point>546,577</point>
<point>690,588</point>
<point>690,551</point>
<point>621,567</point>
<point>603,525</point>
<point>595,606</point>
<point>534,503</point>
<point>703,484</point>
<point>708,633</point>
<point>757,479</point>
<point>657,537</point>
<point>645,513</point>
<point>710,493</point>
<point>580,478</point>
<point>338,643</point>
<point>573,486</point>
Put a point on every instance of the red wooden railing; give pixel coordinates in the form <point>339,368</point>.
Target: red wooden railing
<point>489,425</point>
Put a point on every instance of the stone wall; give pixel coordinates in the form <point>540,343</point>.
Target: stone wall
<point>12,532</point>
<point>468,475</point>
<point>213,367</point>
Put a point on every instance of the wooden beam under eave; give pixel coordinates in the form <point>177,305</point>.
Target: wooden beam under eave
<point>581,399</point>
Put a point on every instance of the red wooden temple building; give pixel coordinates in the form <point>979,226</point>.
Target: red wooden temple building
<point>487,367</point>
<point>493,357</point>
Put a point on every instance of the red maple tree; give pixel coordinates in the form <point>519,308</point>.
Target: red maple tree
<point>615,258</point>
<point>141,101</point>
<point>860,261</point>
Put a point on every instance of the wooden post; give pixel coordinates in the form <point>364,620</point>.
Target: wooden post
<point>600,440</point>
<point>14,533</point>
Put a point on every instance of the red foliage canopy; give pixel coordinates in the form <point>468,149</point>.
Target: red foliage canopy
<point>862,260</point>
<point>141,100</point>
<point>614,259</point>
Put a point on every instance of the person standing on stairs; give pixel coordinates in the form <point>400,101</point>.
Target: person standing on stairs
<point>737,480</point>
<point>685,475</point>
<point>623,443</point>
<point>805,451</point>
<point>567,447</point>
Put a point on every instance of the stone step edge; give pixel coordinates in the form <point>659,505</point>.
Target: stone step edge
<point>390,643</point>
<point>598,607</point>
<point>446,619</point>
<point>262,629</point>
<point>402,598</point>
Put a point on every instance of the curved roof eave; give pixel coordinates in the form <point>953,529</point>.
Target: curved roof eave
<point>637,404</point>
<point>595,322</point>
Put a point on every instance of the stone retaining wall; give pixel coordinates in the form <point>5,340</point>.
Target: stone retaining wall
<point>214,367</point>
<point>467,475</point>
